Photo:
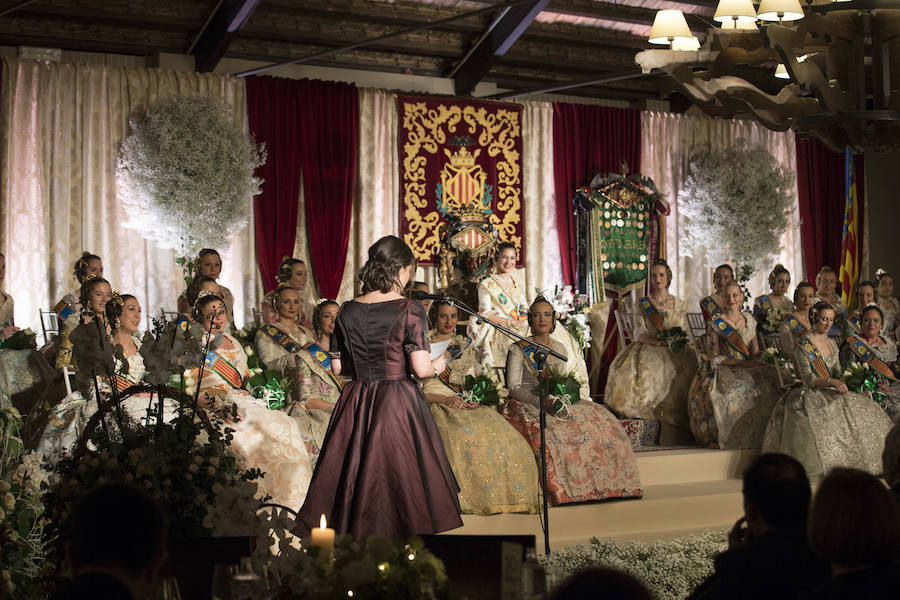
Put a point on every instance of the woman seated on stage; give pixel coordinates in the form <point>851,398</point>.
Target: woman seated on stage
<point>209,263</point>
<point>200,283</point>
<point>69,417</point>
<point>303,358</point>
<point>7,311</point>
<point>826,286</point>
<point>870,346</point>
<point>267,439</point>
<point>884,292</point>
<point>865,295</point>
<point>492,462</point>
<point>86,267</point>
<point>502,301</point>
<point>589,456</point>
<point>648,380</point>
<point>293,273</point>
<point>95,293</point>
<point>796,324</point>
<point>821,423</point>
<point>775,302</point>
<point>714,303</point>
<point>732,396</point>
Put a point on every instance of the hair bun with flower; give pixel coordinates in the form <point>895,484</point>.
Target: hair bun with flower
<point>203,294</point>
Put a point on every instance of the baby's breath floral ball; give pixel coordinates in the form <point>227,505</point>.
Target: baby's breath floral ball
<point>185,174</point>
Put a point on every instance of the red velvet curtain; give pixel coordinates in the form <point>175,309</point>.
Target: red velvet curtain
<point>309,127</point>
<point>822,194</point>
<point>588,140</point>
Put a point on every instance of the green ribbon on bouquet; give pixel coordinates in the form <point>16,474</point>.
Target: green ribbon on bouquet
<point>272,393</point>
<point>870,384</point>
<point>480,390</point>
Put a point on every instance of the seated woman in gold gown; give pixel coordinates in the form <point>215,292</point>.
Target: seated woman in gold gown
<point>86,267</point>
<point>796,324</point>
<point>266,439</point>
<point>769,309</point>
<point>869,345</point>
<point>821,423</point>
<point>95,293</point>
<point>209,263</point>
<point>714,303</point>
<point>589,456</point>
<point>826,291</point>
<point>291,272</point>
<point>492,462</point>
<point>733,395</point>
<point>648,380</point>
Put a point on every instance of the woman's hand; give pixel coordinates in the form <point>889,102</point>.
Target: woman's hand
<point>839,385</point>
<point>7,331</point>
<point>459,403</point>
<point>205,401</point>
<point>318,404</point>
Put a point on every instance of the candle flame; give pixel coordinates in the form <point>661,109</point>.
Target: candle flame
<point>322,522</point>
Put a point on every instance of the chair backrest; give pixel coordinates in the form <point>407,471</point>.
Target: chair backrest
<point>67,379</point>
<point>625,325</point>
<point>785,372</point>
<point>697,330</point>
<point>256,315</point>
<point>696,323</point>
<point>49,324</point>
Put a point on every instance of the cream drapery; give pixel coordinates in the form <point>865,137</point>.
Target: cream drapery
<point>62,125</point>
<point>668,140</point>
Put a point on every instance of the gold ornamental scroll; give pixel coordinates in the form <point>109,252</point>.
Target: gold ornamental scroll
<point>454,154</point>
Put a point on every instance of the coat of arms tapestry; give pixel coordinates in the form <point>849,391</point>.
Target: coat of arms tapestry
<point>458,156</point>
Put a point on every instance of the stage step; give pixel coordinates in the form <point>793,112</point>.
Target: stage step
<point>685,491</point>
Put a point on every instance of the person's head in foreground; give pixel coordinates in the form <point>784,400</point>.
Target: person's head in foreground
<point>599,583</point>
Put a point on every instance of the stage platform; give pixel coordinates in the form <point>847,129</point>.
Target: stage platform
<point>685,490</point>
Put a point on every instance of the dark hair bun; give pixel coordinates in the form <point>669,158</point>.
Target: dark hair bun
<point>386,257</point>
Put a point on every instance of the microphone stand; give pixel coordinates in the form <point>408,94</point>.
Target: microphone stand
<point>540,357</point>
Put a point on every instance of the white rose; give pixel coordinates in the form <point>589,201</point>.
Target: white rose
<point>249,350</point>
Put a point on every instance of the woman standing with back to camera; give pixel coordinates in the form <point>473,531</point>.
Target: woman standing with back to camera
<point>382,469</point>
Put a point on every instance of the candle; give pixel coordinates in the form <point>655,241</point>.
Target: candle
<point>323,538</point>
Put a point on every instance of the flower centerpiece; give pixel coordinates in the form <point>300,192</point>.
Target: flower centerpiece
<point>572,311</point>
<point>674,337</point>
<point>24,339</point>
<point>185,174</point>
<point>23,541</point>
<point>563,389</point>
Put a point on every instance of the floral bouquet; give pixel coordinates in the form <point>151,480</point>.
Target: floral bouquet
<point>572,311</point>
<point>674,337</point>
<point>775,356</point>
<point>773,319</point>
<point>563,389</point>
<point>247,334</point>
<point>373,567</point>
<point>481,390</point>
<point>861,378</point>
<point>24,339</point>
<point>267,384</point>
<point>24,566</point>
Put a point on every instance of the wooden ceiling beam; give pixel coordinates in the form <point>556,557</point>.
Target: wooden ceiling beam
<point>218,32</point>
<point>93,15</point>
<point>496,41</point>
<point>84,44</point>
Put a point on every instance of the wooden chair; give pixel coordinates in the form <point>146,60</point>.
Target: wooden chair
<point>49,324</point>
<point>786,376</point>
<point>697,330</point>
<point>625,325</point>
<point>256,316</point>
<point>67,374</point>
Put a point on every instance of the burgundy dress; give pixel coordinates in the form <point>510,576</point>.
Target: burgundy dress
<point>382,469</point>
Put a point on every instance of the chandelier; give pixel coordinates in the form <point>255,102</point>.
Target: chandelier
<point>842,60</point>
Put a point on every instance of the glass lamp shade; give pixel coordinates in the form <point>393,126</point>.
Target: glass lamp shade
<point>735,10</point>
<point>668,26</point>
<point>789,10</point>
<point>686,44</point>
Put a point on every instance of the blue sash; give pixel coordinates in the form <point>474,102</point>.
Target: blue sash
<point>866,354</point>
<point>651,313</point>
<point>814,357</point>
<point>709,308</point>
<point>284,340</point>
<point>730,335</point>
<point>324,359</point>
<point>796,327</point>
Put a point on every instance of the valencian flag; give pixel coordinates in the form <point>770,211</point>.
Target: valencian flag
<point>849,272</point>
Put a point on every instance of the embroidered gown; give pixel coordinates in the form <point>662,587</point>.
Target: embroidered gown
<point>263,438</point>
<point>823,428</point>
<point>652,382</point>
<point>492,462</point>
<point>309,379</point>
<point>70,416</point>
<point>509,302</point>
<point>887,354</point>
<point>382,469</point>
<point>891,309</point>
<point>730,406</point>
<point>589,456</point>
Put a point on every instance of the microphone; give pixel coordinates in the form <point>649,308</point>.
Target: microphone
<point>419,295</point>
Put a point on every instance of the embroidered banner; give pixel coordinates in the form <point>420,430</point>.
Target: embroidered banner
<point>453,154</point>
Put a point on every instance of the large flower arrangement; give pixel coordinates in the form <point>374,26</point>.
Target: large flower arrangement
<point>671,569</point>
<point>23,542</point>
<point>572,311</point>
<point>736,202</point>
<point>185,174</point>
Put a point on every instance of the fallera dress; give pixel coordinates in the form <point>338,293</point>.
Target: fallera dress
<point>492,462</point>
<point>382,469</point>
<point>823,428</point>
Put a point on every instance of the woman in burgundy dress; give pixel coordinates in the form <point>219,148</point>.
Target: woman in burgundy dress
<point>382,469</point>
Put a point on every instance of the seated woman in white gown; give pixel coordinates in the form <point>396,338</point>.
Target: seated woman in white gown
<point>648,380</point>
<point>796,324</point>
<point>589,456</point>
<point>869,345</point>
<point>768,307</point>
<point>492,462</point>
<point>266,439</point>
<point>69,418</point>
<point>733,395</point>
<point>821,423</point>
<point>303,358</point>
